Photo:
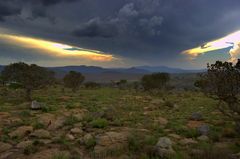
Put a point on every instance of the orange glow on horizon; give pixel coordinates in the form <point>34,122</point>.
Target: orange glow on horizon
<point>230,41</point>
<point>55,48</point>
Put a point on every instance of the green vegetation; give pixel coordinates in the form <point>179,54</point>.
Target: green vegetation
<point>29,77</point>
<point>99,123</point>
<point>222,82</point>
<point>73,80</point>
<point>111,121</point>
<point>155,81</point>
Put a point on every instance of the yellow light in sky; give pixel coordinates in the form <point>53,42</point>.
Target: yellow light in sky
<point>230,41</point>
<point>55,48</point>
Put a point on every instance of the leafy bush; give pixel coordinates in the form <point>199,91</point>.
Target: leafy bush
<point>60,156</point>
<point>90,143</point>
<point>91,85</point>
<point>99,123</point>
<point>73,80</point>
<point>222,82</point>
<point>29,77</point>
<point>155,81</point>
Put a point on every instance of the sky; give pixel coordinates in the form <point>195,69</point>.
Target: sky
<point>120,33</point>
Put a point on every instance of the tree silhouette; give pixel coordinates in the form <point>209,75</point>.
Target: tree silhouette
<point>222,82</point>
<point>30,77</point>
<point>73,80</point>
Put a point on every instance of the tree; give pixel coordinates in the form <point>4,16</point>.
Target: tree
<point>92,85</point>
<point>222,82</point>
<point>1,81</point>
<point>30,77</point>
<point>73,80</point>
<point>155,81</point>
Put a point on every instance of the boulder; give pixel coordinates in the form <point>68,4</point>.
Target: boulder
<point>203,138</point>
<point>46,119</point>
<point>203,129</point>
<point>196,116</point>
<point>41,133</point>
<point>187,141</point>
<point>110,141</point>
<point>162,121</point>
<point>175,136</point>
<point>21,131</point>
<point>48,154</point>
<point>4,147</point>
<point>56,124</point>
<point>70,137</point>
<point>164,147</point>
<point>24,144</point>
<point>87,138</point>
<point>36,105</point>
<point>76,131</point>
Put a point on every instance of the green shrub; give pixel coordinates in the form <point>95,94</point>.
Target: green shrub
<point>91,85</point>
<point>90,143</point>
<point>71,120</point>
<point>30,149</point>
<point>155,81</point>
<point>99,123</point>
<point>60,156</point>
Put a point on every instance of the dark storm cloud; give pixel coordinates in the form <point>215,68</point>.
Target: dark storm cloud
<point>131,19</point>
<point>6,9</point>
<point>96,28</point>
<point>152,30</point>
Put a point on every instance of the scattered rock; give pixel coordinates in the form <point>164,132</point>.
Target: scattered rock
<point>46,154</point>
<point>46,119</point>
<point>24,144</point>
<point>187,141</point>
<point>76,131</point>
<point>175,136</point>
<point>235,156</point>
<point>164,147</point>
<point>111,141</point>
<point>196,116</point>
<point>56,124</point>
<point>194,124</point>
<point>4,147</point>
<point>70,137</point>
<point>203,138</point>
<point>45,141</point>
<point>87,138</point>
<point>21,131</point>
<point>157,101</point>
<point>36,105</point>
<point>41,133</point>
<point>203,129</point>
<point>162,121</point>
<point>196,152</point>
<point>4,115</point>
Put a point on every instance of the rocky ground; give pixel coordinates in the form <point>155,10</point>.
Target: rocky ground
<point>115,124</point>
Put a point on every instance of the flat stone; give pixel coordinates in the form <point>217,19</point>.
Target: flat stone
<point>41,133</point>
<point>162,121</point>
<point>70,137</point>
<point>76,131</point>
<point>175,136</point>
<point>24,144</point>
<point>203,138</point>
<point>21,131</point>
<point>164,147</point>
<point>187,141</point>
<point>4,147</point>
<point>45,154</point>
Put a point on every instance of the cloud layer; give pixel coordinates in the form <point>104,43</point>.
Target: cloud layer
<point>144,32</point>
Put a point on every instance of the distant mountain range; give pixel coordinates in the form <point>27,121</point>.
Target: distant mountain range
<point>133,70</point>
<point>100,74</point>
